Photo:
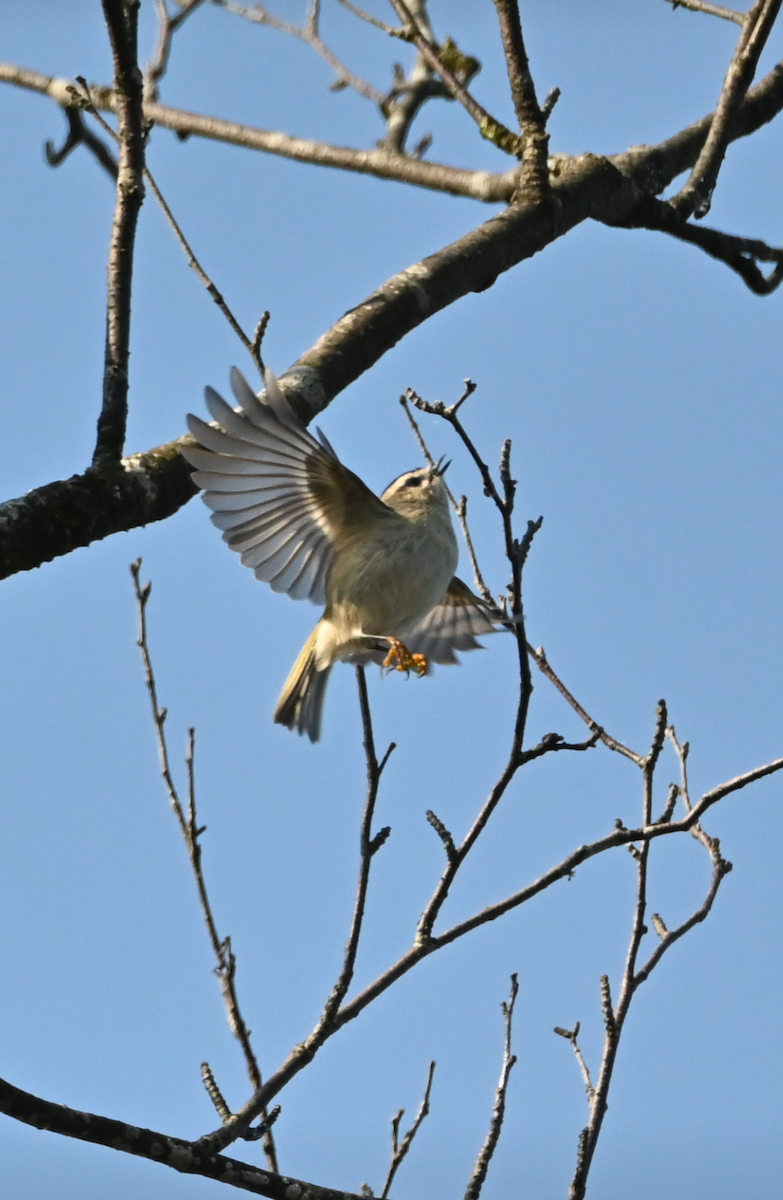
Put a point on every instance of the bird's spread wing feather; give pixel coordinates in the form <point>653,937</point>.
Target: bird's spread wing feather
<point>280,497</point>
<point>454,624</point>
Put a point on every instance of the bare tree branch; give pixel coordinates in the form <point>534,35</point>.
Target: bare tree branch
<point>540,659</point>
<point>180,1155</point>
<point>121,20</point>
<point>80,135</point>
<point>740,254</point>
<point>572,1035</point>
<point>695,196</point>
<point>477,185</point>
<point>534,176</point>
<point>633,975</point>
<point>489,127</point>
<point>368,846</point>
<point>712,10</point>
<point>460,507</point>
<point>61,516</point>
<point>310,35</point>
<point>254,347</point>
<point>191,833</point>
<point>401,1148</point>
<point>168,24</point>
<point>481,1167</point>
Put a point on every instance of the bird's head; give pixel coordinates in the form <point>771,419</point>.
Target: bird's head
<point>418,492</point>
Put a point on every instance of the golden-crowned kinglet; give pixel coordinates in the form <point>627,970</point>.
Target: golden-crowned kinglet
<point>309,527</point>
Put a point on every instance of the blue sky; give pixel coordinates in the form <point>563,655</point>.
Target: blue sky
<point>640,383</point>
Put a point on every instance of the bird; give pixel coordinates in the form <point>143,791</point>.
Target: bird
<point>383,566</point>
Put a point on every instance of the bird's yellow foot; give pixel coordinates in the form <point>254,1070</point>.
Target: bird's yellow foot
<point>400,658</point>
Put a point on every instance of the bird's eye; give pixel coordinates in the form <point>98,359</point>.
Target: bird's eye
<point>414,481</point>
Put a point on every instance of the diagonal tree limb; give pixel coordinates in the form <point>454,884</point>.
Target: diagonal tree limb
<point>303,1054</point>
<point>712,10</point>
<point>62,516</point>
<point>650,168</point>
<point>180,1155</point>
<point>695,196</point>
<point>489,127</point>
<point>400,1148</point>
<point>456,181</point>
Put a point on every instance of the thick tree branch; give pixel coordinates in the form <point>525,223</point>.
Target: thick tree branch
<point>176,1153</point>
<point>62,516</point>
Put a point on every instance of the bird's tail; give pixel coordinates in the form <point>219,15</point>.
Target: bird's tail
<point>302,698</point>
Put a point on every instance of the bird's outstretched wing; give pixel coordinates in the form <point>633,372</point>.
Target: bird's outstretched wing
<point>454,624</point>
<point>281,498</point>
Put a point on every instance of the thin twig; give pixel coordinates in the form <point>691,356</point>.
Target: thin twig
<point>253,347</point>
<point>489,127</point>
<point>740,254</point>
<point>80,135</point>
<point>633,975</point>
<point>478,578</point>
<point>712,10</point>
<point>540,659</point>
<point>168,25</point>
<point>368,846</point>
<point>193,262</point>
<point>499,1110</point>
<point>359,12</point>
<point>695,196</point>
<point>214,1092</point>
<point>302,1054</point>
<point>555,741</point>
<point>191,833</point>
<point>460,507</point>
<point>309,34</point>
<point>122,23</point>
<point>401,1148</point>
<point>682,750</point>
<point>572,1035</point>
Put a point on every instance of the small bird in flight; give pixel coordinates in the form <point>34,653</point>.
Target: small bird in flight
<point>383,566</point>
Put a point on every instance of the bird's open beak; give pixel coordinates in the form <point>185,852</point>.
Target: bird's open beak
<point>440,467</point>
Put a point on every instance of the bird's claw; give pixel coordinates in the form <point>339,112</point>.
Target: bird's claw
<point>400,658</point>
